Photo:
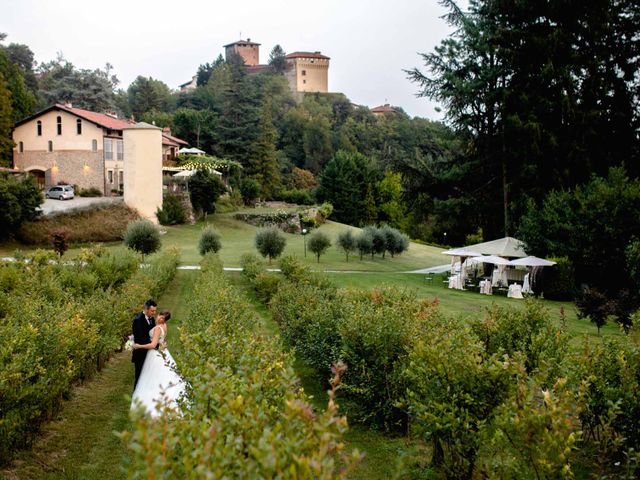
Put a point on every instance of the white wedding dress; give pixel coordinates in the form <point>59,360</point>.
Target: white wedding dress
<point>158,380</point>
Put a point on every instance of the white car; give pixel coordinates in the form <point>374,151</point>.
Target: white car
<point>61,192</point>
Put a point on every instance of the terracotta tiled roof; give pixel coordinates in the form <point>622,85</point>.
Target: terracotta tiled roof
<point>101,119</point>
<point>386,108</point>
<point>307,55</point>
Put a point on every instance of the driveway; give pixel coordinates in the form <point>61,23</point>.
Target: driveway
<point>54,206</point>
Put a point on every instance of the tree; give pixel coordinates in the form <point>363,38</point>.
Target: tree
<point>209,241</point>
<point>60,81</point>
<point>6,124</point>
<point>318,243</point>
<point>20,200</point>
<point>342,182</point>
<point>378,240</point>
<point>204,189</point>
<point>270,242</point>
<point>143,237</point>
<point>590,225</point>
<point>277,59</point>
<point>264,162</point>
<point>392,209</point>
<point>146,94</point>
<point>204,71</point>
<point>347,242</point>
<point>22,100</point>
<point>364,243</point>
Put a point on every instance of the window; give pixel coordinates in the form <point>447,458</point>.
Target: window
<point>79,126</point>
<point>21,147</point>
<point>304,81</point>
<point>110,176</point>
<point>121,178</point>
<point>39,128</point>
<point>94,145</point>
<point>50,146</point>
<point>59,123</point>
<point>108,149</point>
<point>304,72</point>
<point>119,150</point>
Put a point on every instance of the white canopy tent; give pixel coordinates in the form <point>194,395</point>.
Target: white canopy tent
<point>462,254</point>
<point>504,247</point>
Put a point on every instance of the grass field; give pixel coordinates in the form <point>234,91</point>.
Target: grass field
<point>238,237</point>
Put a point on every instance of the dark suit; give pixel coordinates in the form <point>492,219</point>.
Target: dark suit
<point>140,328</point>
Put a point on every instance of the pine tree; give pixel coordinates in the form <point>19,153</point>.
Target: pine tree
<point>6,115</point>
<point>264,163</point>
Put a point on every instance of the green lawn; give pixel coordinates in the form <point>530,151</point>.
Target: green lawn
<point>465,304</point>
<point>238,237</point>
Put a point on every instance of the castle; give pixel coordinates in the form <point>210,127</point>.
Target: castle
<point>305,71</point>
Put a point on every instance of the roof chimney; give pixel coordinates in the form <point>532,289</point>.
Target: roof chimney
<point>68,104</point>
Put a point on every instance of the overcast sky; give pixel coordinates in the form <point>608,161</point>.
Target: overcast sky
<point>370,42</point>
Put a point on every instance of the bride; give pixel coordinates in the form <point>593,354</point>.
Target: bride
<point>159,384</point>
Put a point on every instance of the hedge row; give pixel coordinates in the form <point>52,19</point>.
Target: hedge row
<point>501,396</point>
<point>58,325</point>
<point>245,415</point>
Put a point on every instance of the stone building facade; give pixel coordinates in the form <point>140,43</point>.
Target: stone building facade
<point>308,72</point>
<point>63,144</point>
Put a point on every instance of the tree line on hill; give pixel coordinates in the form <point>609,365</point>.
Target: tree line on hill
<point>539,106</point>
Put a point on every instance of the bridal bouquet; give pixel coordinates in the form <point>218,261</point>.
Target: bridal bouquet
<point>128,346</point>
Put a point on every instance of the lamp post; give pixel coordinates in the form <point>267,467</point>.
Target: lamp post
<point>445,238</point>
<point>304,239</point>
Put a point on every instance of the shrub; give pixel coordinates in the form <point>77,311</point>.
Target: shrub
<point>20,200</point>
<point>324,211</point>
<point>172,212</point>
<point>377,333</point>
<point>293,269</point>
<point>347,242</point>
<point>266,285</point>
<point>270,242</point>
<point>90,192</point>
<point>247,416</point>
<point>96,223</point>
<point>318,243</point>
<point>610,405</point>
<point>59,241</point>
<point>453,390</point>
<point>309,318</point>
<point>559,280</point>
<point>251,265</point>
<point>143,237</point>
<point>299,197</point>
<point>209,241</point>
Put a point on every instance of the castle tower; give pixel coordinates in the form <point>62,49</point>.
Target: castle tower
<point>308,72</point>
<point>248,50</point>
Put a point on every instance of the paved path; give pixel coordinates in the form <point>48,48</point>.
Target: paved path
<point>54,206</point>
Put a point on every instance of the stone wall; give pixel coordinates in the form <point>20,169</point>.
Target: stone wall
<point>82,168</point>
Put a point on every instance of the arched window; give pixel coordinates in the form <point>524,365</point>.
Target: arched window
<point>79,126</point>
<point>21,147</point>
<point>59,122</point>
<point>94,145</point>
<point>50,146</point>
<point>39,128</point>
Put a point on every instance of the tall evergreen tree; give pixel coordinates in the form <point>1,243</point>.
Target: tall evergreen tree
<point>277,59</point>
<point>264,163</point>
<point>238,114</point>
<point>6,116</point>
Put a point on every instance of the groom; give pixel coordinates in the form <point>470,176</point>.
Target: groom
<point>141,325</point>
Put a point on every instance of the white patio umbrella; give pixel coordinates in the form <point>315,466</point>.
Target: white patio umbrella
<point>491,259</point>
<point>532,261</point>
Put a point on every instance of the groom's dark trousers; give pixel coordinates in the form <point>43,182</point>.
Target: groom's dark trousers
<point>140,328</point>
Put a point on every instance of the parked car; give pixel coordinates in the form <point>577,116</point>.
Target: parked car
<point>61,192</point>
